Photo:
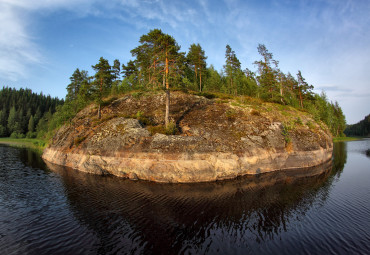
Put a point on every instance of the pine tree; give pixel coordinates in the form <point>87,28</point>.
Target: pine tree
<point>304,90</point>
<point>31,124</point>
<point>214,81</point>
<point>168,53</point>
<point>147,59</point>
<point>116,69</point>
<point>197,61</point>
<point>267,73</point>
<point>103,81</point>
<point>232,70</point>
<point>77,78</point>
<point>13,124</point>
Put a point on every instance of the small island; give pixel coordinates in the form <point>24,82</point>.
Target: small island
<point>171,117</point>
<point>215,139</point>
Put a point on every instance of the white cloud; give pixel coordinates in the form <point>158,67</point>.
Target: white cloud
<point>16,46</point>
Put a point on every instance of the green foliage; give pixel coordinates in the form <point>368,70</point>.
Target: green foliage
<point>31,134</point>
<point>171,129</point>
<point>31,124</point>
<point>17,135</point>
<point>298,121</point>
<point>361,128</point>
<point>108,101</point>
<point>310,125</point>
<point>231,114</point>
<point>21,110</point>
<point>158,64</point>
<point>232,70</point>
<point>160,129</point>
<point>255,112</point>
<point>143,119</point>
<point>207,95</point>
<point>137,94</point>
<point>3,131</point>
<point>285,133</point>
<point>196,61</point>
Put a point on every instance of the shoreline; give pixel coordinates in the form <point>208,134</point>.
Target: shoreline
<point>31,143</point>
<point>347,139</point>
<point>186,168</point>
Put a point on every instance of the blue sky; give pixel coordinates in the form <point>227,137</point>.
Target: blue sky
<point>43,41</point>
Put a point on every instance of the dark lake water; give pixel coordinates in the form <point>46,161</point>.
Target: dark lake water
<point>46,209</point>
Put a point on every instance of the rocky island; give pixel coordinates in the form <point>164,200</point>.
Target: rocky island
<point>215,139</point>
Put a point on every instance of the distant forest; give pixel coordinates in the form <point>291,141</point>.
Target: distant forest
<point>361,128</point>
<point>24,113</point>
<point>158,64</point>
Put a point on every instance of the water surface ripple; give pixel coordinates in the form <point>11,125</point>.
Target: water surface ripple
<point>47,209</point>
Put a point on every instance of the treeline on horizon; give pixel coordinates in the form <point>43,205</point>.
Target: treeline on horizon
<point>24,113</point>
<point>362,128</point>
<point>158,64</point>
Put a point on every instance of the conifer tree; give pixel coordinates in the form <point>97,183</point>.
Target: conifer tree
<point>168,53</point>
<point>197,60</point>
<point>13,122</point>
<point>31,124</point>
<point>232,70</point>
<point>76,81</point>
<point>102,83</point>
<point>267,73</point>
<point>304,90</point>
<point>116,69</point>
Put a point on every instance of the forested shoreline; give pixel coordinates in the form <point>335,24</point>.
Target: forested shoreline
<point>362,128</point>
<point>158,64</point>
<point>24,113</point>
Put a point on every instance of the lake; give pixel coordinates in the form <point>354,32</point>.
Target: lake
<point>47,209</point>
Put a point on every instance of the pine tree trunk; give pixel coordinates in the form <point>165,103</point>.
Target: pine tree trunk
<point>200,80</point>
<point>281,93</point>
<point>300,98</point>
<point>167,121</point>
<point>99,112</point>
<point>167,116</point>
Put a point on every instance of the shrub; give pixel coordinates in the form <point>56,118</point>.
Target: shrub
<point>206,95</point>
<point>17,135</point>
<point>108,101</point>
<point>39,143</point>
<point>298,121</point>
<point>255,112</point>
<point>161,129</point>
<point>171,129</point>
<point>285,133</point>
<point>143,119</point>
<point>230,114</point>
<point>157,129</point>
<point>31,134</point>
<point>136,95</point>
<point>310,125</point>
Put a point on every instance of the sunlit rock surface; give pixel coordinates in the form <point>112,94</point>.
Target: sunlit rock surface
<point>217,139</point>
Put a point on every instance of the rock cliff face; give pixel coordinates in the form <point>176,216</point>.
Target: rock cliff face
<point>217,139</point>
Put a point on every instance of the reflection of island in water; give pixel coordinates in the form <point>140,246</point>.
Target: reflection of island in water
<point>176,218</point>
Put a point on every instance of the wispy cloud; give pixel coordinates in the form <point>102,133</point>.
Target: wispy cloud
<point>16,46</point>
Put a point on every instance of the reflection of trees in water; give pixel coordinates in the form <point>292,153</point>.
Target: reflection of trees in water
<point>339,157</point>
<point>174,218</point>
<point>31,158</point>
<point>367,152</point>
